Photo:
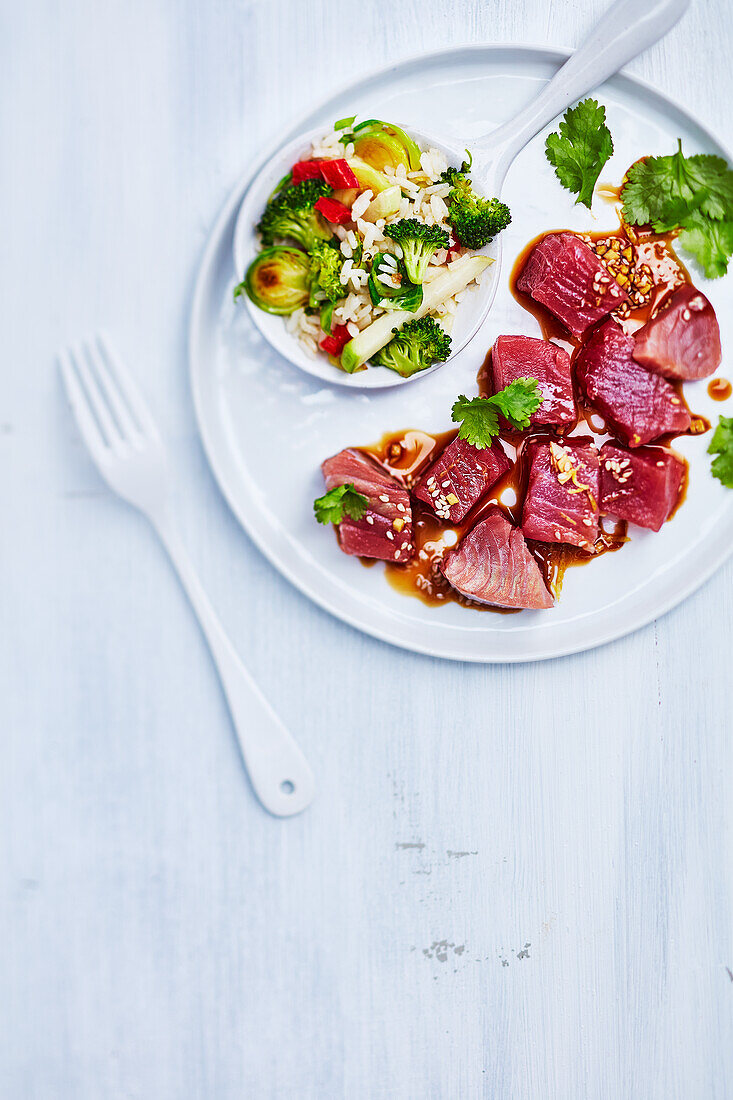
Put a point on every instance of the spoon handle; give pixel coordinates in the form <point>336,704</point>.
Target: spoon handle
<point>625,30</point>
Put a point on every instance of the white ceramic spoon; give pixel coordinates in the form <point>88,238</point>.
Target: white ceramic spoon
<point>624,31</point>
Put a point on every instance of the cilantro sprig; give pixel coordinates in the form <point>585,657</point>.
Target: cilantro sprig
<point>340,501</point>
<point>479,416</point>
<point>722,445</point>
<point>581,148</point>
<point>691,194</point>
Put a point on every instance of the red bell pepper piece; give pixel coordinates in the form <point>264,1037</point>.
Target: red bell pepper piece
<point>333,210</point>
<point>306,170</point>
<point>337,341</point>
<point>338,174</point>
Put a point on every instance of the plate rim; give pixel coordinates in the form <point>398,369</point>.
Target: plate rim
<point>210,443</point>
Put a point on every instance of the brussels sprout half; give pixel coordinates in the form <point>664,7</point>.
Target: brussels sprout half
<point>382,143</point>
<point>277,280</point>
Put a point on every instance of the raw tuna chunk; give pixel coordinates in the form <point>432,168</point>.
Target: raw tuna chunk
<point>642,486</point>
<point>492,564</point>
<point>640,405</point>
<point>385,529</point>
<point>564,275</point>
<point>561,504</point>
<point>460,477</point>
<point>515,357</point>
<point>683,340</point>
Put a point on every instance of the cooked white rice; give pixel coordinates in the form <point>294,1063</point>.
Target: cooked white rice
<point>423,198</point>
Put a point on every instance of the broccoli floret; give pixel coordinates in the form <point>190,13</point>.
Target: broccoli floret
<point>418,345</point>
<point>474,220</point>
<point>290,214</point>
<point>418,243</point>
<point>325,274</point>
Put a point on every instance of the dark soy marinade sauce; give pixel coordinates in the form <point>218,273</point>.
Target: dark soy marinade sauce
<point>398,452</point>
<point>407,453</point>
<point>719,389</point>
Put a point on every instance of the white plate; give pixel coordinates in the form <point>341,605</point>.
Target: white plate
<point>266,426</point>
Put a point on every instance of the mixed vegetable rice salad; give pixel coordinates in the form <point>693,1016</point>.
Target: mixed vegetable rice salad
<point>369,245</point>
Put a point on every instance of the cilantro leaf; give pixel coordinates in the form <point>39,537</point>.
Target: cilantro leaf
<point>339,501</point>
<point>648,190</point>
<point>678,211</point>
<point>710,242</point>
<point>479,417</point>
<point>581,148</point>
<point>691,194</point>
<point>711,174</point>
<point>517,401</point>
<point>722,445</point>
<point>480,420</point>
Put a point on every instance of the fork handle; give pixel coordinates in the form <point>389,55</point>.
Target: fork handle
<point>280,774</point>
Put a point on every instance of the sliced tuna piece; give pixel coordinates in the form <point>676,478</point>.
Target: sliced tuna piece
<point>515,357</point>
<point>683,340</point>
<point>642,486</point>
<point>561,503</point>
<point>492,565</point>
<point>385,529</point>
<point>640,405</point>
<point>460,477</point>
<point>564,275</point>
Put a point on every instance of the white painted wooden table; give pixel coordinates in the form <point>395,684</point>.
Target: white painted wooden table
<point>515,882</point>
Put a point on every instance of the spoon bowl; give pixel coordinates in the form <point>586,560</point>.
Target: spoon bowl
<point>623,32</point>
<point>469,317</point>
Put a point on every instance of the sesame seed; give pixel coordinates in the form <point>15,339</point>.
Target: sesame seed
<point>370,519</point>
<point>389,535</point>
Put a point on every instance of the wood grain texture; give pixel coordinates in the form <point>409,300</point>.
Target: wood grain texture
<point>515,882</point>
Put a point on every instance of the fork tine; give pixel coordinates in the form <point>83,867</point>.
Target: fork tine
<point>128,389</point>
<point>97,353</point>
<point>80,356</point>
<point>80,406</point>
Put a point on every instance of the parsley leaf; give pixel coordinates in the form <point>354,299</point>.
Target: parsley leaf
<point>692,194</point>
<point>580,150</point>
<point>722,445</point>
<point>480,416</point>
<point>339,501</point>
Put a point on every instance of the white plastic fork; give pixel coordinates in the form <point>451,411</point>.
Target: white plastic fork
<point>126,447</point>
